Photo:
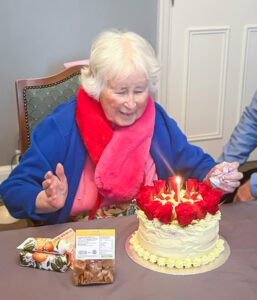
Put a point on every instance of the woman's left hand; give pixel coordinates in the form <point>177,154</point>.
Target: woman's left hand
<point>225,176</point>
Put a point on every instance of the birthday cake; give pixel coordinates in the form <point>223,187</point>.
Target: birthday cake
<point>178,228</point>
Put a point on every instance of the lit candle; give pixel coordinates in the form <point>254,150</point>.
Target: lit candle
<point>178,181</point>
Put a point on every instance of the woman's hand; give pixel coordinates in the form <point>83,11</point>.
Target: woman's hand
<point>225,176</point>
<point>55,192</point>
<point>244,193</point>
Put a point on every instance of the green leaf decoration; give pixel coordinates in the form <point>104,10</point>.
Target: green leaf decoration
<point>55,268</point>
<point>29,246</point>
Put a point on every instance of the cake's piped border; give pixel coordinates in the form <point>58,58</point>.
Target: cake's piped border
<point>178,263</point>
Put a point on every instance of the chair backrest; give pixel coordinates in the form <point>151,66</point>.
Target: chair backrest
<point>39,96</point>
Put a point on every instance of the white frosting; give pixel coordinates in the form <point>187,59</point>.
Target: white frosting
<point>175,242</point>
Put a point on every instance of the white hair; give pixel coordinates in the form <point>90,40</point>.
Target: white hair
<point>119,54</point>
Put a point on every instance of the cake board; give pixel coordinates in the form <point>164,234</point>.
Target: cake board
<point>219,261</point>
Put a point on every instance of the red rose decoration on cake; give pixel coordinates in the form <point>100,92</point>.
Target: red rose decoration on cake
<point>160,186</point>
<point>191,185</point>
<point>145,195</point>
<point>200,208</point>
<point>150,208</point>
<point>164,213</point>
<point>204,188</point>
<point>194,203</point>
<point>212,201</point>
<point>185,213</point>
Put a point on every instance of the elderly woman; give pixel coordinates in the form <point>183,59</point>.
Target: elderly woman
<point>90,156</point>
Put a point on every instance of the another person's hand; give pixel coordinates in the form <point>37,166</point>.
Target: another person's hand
<point>225,176</point>
<point>55,192</point>
<point>244,193</point>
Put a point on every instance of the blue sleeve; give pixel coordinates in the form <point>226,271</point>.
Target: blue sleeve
<point>191,160</point>
<point>172,151</point>
<point>253,181</point>
<point>20,189</point>
<point>244,137</point>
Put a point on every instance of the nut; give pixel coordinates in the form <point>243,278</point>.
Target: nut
<point>88,276</point>
<point>93,271</point>
<point>100,277</point>
<point>108,278</point>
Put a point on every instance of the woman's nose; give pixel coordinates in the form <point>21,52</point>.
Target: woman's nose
<point>130,102</point>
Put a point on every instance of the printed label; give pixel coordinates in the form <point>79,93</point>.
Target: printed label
<point>95,244</point>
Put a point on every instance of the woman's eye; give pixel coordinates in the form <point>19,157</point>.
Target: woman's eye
<point>120,93</point>
<point>138,92</point>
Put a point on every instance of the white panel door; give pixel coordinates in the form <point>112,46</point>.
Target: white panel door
<point>207,50</point>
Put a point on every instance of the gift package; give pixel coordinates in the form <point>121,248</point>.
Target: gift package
<point>48,254</point>
<point>89,252</point>
<point>94,258</point>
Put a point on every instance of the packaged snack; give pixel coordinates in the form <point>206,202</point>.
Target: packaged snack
<point>94,259</point>
<point>45,261</point>
<point>93,271</point>
<point>48,254</point>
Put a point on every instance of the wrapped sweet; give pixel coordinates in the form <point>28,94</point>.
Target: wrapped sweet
<point>46,254</point>
<point>45,261</point>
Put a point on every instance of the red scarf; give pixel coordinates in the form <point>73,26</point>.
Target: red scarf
<point>119,155</point>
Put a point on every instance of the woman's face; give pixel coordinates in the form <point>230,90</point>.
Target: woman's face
<point>124,99</point>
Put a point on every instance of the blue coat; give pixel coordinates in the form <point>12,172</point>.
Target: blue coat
<point>57,139</point>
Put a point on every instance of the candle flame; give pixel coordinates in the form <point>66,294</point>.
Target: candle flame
<point>178,180</point>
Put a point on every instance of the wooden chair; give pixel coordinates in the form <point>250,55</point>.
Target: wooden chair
<point>39,96</point>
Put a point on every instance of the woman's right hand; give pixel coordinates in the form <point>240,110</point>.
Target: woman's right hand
<point>55,192</point>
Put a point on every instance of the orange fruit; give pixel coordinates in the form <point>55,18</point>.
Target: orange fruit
<point>40,243</point>
<point>48,246</point>
<point>39,257</point>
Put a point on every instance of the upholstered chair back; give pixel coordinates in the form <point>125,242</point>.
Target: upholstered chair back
<point>38,97</point>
